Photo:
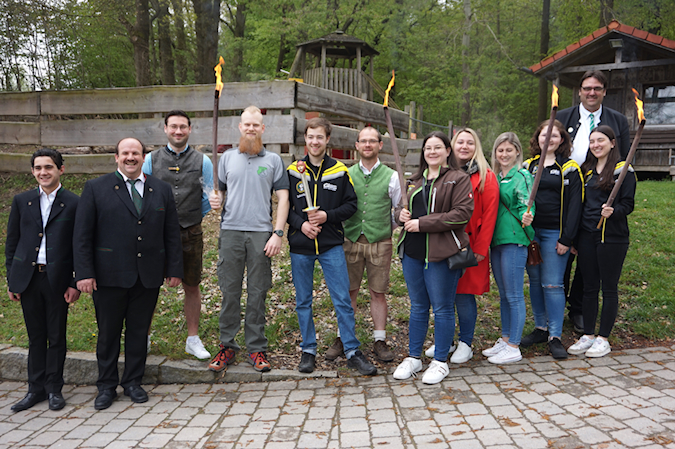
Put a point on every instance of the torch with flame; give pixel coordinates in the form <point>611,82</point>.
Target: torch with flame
<point>631,154</point>
<point>302,169</point>
<point>394,146</point>
<point>544,148</point>
<point>219,87</point>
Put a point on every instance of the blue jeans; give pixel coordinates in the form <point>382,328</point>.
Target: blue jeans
<point>547,291</point>
<point>337,280</point>
<point>431,286</point>
<point>467,312</point>
<point>508,267</point>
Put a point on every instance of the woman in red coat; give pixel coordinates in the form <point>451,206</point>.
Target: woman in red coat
<point>476,280</point>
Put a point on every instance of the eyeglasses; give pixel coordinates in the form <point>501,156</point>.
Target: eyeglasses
<point>177,127</point>
<point>588,89</point>
<point>437,148</point>
<point>369,141</point>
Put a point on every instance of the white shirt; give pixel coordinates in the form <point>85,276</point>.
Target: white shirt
<point>580,144</point>
<point>46,203</point>
<point>140,185</point>
<point>394,188</point>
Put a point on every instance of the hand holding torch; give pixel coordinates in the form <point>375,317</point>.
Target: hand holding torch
<point>394,146</point>
<point>219,87</point>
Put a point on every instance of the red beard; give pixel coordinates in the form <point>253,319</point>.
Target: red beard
<point>249,145</point>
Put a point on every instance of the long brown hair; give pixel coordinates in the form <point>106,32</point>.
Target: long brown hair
<point>565,147</point>
<point>452,163</point>
<point>606,181</point>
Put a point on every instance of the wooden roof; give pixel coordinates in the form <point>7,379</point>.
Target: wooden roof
<point>338,44</point>
<point>593,52</point>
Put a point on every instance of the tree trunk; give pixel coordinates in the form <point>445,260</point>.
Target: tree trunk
<point>166,60</point>
<point>140,39</point>
<point>181,41</point>
<point>282,53</point>
<point>542,110</point>
<point>606,12</point>
<point>238,31</point>
<point>466,83</point>
<point>207,20</point>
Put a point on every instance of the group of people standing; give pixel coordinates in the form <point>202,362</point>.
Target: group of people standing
<point>141,225</point>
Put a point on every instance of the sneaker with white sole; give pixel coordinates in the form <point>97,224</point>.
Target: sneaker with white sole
<point>195,347</point>
<point>581,346</point>
<point>508,354</point>
<point>436,372</point>
<point>462,354</point>
<point>408,367</point>
<point>600,348</point>
<point>498,346</point>
<point>432,350</point>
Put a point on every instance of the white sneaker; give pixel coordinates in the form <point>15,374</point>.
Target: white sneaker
<point>408,367</point>
<point>432,350</point>
<point>582,345</point>
<point>436,372</point>
<point>149,344</point>
<point>600,348</point>
<point>499,345</point>
<point>462,354</point>
<point>508,354</point>
<point>194,346</point>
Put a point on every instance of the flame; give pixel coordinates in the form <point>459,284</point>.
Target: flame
<point>386,93</point>
<point>639,104</point>
<point>218,69</point>
<point>554,97</point>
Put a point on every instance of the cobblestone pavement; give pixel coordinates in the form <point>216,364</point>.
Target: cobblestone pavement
<point>626,399</point>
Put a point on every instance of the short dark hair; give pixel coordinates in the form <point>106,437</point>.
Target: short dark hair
<point>117,147</point>
<point>369,128</point>
<point>319,122</point>
<point>48,152</point>
<point>177,112</point>
<point>597,74</point>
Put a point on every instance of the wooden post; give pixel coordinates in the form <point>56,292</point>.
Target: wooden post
<point>323,67</point>
<point>411,123</point>
<point>274,147</point>
<point>420,117</point>
<point>370,88</point>
<point>404,135</point>
<point>359,87</point>
<point>297,151</point>
<point>450,133</point>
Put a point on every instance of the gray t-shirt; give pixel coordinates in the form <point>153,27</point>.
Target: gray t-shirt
<point>249,182</point>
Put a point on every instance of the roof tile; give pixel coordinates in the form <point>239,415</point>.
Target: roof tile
<point>640,33</point>
<point>584,40</point>
<point>599,32</point>
<point>571,47</point>
<point>654,38</point>
<point>560,54</point>
<point>613,25</point>
<point>547,61</point>
<point>626,29</point>
<point>668,43</point>
<point>536,67</point>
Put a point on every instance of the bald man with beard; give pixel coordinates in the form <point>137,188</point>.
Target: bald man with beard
<point>247,175</point>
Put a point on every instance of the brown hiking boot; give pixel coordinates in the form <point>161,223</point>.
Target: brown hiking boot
<point>382,351</point>
<point>336,350</point>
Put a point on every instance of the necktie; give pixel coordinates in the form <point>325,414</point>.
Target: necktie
<point>135,196</point>
<point>592,122</point>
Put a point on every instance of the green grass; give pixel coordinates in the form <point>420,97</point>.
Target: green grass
<point>647,295</point>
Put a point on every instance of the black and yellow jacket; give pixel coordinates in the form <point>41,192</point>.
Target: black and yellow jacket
<point>332,191</point>
<point>559,198</point>
<point>615,228</point>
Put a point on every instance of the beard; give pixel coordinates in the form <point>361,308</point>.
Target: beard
<point>249,145</point>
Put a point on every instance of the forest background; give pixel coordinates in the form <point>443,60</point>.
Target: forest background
<point>462,60</point>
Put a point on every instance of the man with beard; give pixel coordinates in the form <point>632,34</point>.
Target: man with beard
<point>248,174</point>
<point>189,172</point>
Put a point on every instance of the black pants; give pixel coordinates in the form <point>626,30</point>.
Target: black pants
<point>574,293</point>
<point>45,314</point>
<point>116,307</point>
<point>601,264</point>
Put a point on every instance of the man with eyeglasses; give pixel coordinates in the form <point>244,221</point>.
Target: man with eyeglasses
<point>579,121</point>
<point>368,236</point>
<point>190,174</point>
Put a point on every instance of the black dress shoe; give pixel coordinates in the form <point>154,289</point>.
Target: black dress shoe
<point>361,363</point>
<point>578,323</point>
<point>557,349</point>
<point>105,399</point>
<point>28,401</point>
<point>136,393</point>
<point>535,337</point>
<point>56,401</point>
<point>306,363</point>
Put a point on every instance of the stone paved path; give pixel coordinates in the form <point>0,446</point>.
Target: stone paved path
<point>626,399</point>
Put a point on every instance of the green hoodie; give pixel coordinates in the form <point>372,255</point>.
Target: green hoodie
<point>514,191</point>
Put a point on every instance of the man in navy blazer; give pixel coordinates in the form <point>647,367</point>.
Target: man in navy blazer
<point>128,242</point>
<point>39,261</point>
<point>579,121</point>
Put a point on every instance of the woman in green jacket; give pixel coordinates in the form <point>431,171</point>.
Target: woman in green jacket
<point>509,244</point>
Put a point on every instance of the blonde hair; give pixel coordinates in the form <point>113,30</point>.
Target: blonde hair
<point>511,138</point>
<point>478,156</point>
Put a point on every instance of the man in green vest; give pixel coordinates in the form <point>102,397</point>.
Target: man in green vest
<point>368,236</point>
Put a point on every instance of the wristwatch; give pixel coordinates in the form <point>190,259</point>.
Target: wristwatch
<point>279,232</point>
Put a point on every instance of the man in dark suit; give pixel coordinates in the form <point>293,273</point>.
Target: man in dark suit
<point>579,121</point>
<point>128,241</point>
<point>39,261</point>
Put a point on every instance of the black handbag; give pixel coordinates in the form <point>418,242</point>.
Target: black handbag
<point>464,258</point>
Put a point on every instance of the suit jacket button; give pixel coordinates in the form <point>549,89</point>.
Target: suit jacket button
<point>37,248</point>
<point>117,187</point>
<point>139,254</point>
<point>30,203</point>
<point>62,205</point>
<point>33,263</point>
<point>40,234</point>
<point>140,238</point>
<point>139,222</point>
